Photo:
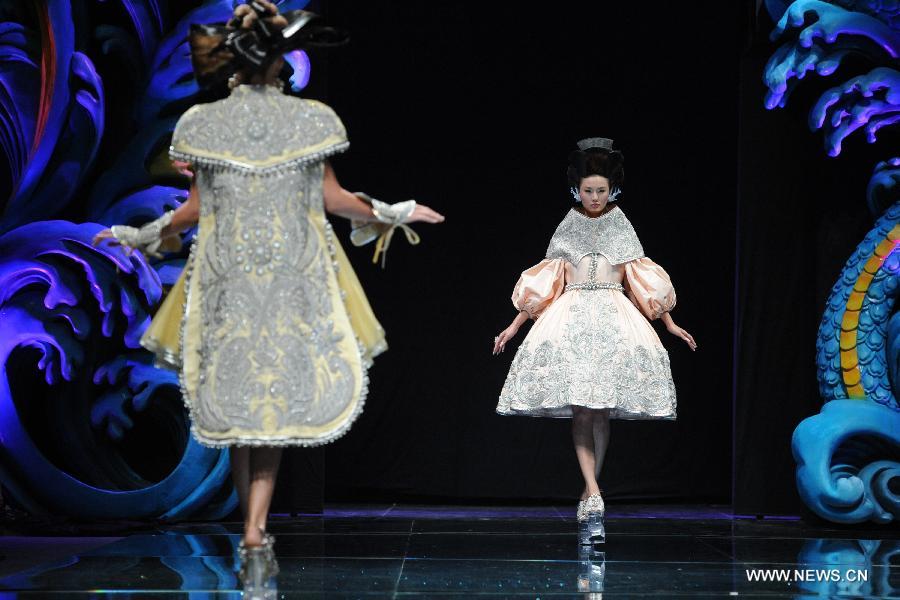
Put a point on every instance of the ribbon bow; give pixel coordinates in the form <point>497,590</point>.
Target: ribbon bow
<point>389,217</point>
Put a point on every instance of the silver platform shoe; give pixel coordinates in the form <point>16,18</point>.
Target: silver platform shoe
<point>269,545</point>
<point>591,529</point>
<point>579,513</point>
<point>258,569</point>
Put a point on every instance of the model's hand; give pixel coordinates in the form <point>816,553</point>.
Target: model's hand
<point>244,16</point>
<point>185,168</point>
<point>107,234</point>
<point>424,214</point>
<point>679,332</point>
<point>505,335</point>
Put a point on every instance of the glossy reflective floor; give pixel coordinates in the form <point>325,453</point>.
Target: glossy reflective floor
<point>455,552</point>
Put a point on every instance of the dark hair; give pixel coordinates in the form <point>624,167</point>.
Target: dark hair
<point>596,161</point>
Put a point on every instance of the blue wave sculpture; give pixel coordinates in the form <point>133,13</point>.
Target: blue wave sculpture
<point>52,121</point>
<point>75,388</point>
<point>61,297</point>
<point>848,456</point>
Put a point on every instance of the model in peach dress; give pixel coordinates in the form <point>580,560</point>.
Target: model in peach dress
<point>592,353</point>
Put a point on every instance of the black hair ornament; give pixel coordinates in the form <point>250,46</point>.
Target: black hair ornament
<point>219,50</point>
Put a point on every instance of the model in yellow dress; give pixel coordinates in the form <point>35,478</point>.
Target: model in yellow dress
<point>268,325</point>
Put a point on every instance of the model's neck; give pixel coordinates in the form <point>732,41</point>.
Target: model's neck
<point>606,210</point>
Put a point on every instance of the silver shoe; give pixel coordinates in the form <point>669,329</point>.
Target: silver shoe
<point>592,529</point>
<point>594,504</point>
<point>580,515</point>
<point>258,569</point>
<point>269,545</point>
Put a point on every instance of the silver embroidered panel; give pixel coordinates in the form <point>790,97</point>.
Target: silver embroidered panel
<point>590,363</point>
<point>269,354</point>
<point>254,124</point>
<point>611,235</point>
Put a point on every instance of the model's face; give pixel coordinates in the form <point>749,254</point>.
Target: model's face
<point>594,194</point>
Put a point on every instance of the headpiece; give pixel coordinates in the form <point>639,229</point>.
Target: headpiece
<point>218,50</point>
<point>595,142</point>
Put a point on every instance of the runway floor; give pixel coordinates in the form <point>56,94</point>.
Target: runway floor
<point>454,552</point>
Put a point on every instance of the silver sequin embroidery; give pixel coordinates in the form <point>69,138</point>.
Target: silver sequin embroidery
<point>257,129</point>
<point>270,357</point>
<point>611,235</point>
<point>590,364</point>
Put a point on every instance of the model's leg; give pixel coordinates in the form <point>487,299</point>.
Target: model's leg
<point>583,437</point>
<point>240,474</point>
<point>601,442</point>
<point>591,508</point>
<point>263,471</point>
<point>601,439</point>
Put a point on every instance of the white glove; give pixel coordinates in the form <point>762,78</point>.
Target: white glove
<point>148,238</point>
<point>390,216</point>
<point>394,214</point>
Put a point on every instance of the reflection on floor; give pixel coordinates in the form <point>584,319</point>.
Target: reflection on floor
<point>446,552</point>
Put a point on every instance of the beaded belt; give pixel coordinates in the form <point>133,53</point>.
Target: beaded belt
<point>595,285</point>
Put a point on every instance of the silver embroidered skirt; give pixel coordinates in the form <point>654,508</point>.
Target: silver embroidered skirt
<point>590,348</point>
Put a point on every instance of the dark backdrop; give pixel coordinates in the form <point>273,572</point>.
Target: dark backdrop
<point>473,109</point>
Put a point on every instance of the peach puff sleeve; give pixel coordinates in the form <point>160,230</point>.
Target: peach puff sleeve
<point>539,286</point>
<point>649,287</point>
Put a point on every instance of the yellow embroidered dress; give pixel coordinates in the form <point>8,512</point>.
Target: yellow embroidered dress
<point>268,324</point>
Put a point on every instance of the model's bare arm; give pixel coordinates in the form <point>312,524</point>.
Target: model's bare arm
<point>510,332</point>
<point>675,330</point>
<point>186,215</point>
<point>342,203</point>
